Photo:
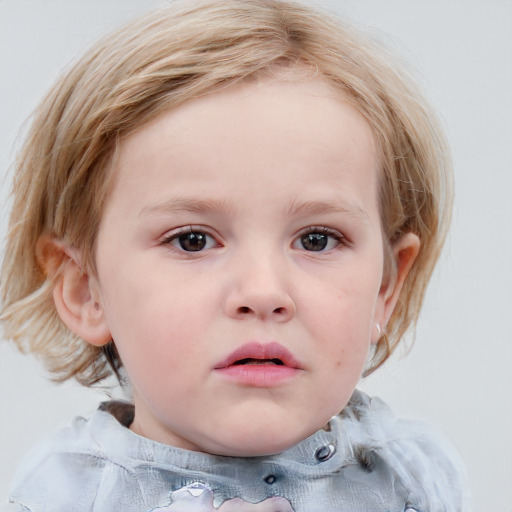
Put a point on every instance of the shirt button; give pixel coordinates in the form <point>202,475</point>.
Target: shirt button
<point>270,479</point>
<point>325,452</point>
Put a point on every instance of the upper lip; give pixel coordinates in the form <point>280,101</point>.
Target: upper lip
<point>262,351</point>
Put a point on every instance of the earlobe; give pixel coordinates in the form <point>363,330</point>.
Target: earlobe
<point>405,251</point>
<point>75,294</point>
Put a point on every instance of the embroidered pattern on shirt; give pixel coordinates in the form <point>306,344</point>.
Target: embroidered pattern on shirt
<point>197,497</point>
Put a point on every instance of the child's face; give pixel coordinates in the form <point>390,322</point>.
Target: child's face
<point>243,231</point>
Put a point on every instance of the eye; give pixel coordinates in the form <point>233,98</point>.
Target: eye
<point>318,239</point>
<point>191,241</point>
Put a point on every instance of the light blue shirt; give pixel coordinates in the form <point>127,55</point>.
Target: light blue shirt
<point>366,461</point>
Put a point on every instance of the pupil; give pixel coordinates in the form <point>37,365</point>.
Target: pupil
<point>314,241</point>
<point>192,241</point>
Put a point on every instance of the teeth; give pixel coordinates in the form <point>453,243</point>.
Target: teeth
<point>249,360</point>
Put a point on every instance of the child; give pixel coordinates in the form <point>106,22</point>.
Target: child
<point>235,207</point>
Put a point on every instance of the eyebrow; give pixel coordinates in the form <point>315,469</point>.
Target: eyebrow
<point>326,207</point>
<point>189,205</point>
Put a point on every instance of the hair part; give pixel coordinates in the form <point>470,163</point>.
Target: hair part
<point>154,64</point>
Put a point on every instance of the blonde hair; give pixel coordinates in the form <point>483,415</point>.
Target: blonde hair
<point>156,63</point>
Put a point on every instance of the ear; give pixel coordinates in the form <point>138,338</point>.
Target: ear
<point>76,295</point>
<point>405,250</point>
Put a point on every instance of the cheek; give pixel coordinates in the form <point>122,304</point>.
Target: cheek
<point>151,319</point>
<point>343,307</point>
<point>340,323</point>
<point>156,345</point>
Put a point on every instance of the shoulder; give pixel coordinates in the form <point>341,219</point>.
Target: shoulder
<point>421,459</point>
<point>65,471</point>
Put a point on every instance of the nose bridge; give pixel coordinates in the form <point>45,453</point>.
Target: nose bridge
<point>263,270</point>
<point>259,285</point>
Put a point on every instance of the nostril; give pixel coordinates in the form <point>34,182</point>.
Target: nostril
<point>280,311</point>
<point>244,310</point>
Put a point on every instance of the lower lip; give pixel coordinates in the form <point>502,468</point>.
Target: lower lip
<point>258,375</point>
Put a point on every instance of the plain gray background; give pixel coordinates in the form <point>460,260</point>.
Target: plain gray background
<point>458,375</point>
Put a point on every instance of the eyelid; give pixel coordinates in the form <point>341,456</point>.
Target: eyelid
<point>335,233</point>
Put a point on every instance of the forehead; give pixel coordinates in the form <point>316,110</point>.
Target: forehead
<point>247,132</point>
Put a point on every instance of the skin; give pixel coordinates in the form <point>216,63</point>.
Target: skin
<point>253,169</point>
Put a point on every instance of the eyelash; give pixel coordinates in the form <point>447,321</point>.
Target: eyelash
<point>201,235</point>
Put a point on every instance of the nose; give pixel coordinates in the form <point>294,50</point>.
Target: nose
<point>258,289</point>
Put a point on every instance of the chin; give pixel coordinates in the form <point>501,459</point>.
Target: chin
<point>256,442</point>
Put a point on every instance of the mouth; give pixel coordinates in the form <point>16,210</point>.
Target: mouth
<point>251,360</point>
<point>257,365</point>
<point>260,354</point>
